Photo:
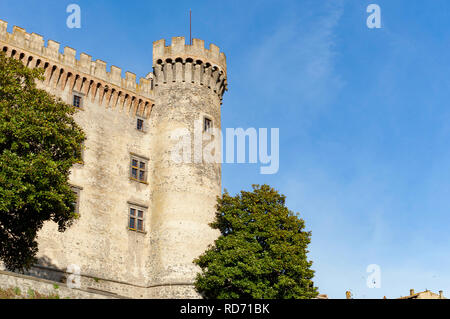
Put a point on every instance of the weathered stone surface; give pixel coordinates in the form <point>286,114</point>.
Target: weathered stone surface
<point>48,288</point>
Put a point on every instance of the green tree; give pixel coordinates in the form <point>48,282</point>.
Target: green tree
<point>39,143</point>
<point>261,252</point>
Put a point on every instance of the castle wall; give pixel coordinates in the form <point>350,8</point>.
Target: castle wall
<point>100,242</point>
<point>179,198</point>
<point>10,280</point>
<point>185,193</point>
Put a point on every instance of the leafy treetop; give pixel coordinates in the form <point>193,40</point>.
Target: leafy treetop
<point>261,252</point>
<point>39,143</point>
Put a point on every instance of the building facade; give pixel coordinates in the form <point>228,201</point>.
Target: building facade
<point>143,215</point>
<point>424,295</point>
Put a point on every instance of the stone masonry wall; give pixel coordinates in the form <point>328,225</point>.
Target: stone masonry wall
<point>47,287</point>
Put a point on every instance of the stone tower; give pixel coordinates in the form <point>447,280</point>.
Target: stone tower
<point>189,82</point>
<point>143,214</point>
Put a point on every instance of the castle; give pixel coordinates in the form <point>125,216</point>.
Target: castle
<point>143,217</point>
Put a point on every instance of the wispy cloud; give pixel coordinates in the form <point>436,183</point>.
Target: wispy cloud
<point>297,60</point>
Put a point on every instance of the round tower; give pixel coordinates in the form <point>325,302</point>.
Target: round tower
<point>185,166</point>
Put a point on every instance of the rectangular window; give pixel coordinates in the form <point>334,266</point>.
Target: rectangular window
<point>207,126</point>
<point>81,152</point>
<point>140,124</point>
<point>136,218</point>
<point>76,191</point>
<point>77,100</point>
<point>138,169</point>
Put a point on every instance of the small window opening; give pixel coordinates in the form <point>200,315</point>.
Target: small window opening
<point>138,169</point>
<point>140,124</point>
<point>136,219</point>
<point>207,126</point>
<point>77,101</point>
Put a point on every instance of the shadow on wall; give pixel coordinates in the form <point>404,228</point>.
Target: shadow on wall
<point>44,268</point>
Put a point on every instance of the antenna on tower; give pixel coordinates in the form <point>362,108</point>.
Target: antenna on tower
<point>190,27</point>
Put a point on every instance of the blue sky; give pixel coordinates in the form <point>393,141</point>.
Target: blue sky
<point>363,116</point>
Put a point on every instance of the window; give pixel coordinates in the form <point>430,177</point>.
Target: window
<point>76,190</point>
<point>138,169</point>
<point>207,126</point>
<point>81,152</point>
<point>140,124</point>
<point>77,100</point>
<point>136,219</point>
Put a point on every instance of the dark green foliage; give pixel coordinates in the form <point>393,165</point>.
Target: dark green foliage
<point>261,253</point>
<point>39,143</point>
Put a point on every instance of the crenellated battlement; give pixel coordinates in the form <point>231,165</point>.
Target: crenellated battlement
<point>190,64</point>
<point>197,51</point>
<point>30,48</point>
